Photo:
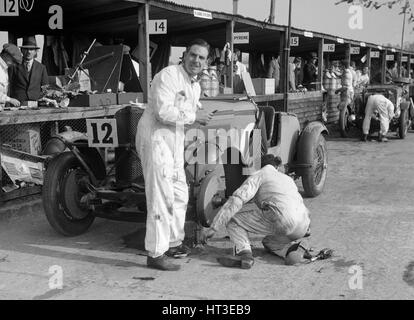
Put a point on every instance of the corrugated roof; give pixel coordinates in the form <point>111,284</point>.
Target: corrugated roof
<point>119,18</point>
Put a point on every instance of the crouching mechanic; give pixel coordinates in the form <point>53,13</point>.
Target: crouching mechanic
<point>281,216</point>
<point>377,103</point>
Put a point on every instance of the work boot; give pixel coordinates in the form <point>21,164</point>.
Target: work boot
<point>162,263</point>
<point>382,138</point>
<point>244,259</point>
<point>180,251</point>
<point>364,138</point>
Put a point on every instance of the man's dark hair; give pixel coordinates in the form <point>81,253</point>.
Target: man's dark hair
<point>272,160</point>
<point>199,42</point>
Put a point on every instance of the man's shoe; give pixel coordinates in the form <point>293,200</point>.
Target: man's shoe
<point>244,259</point>
<point>180,251</point>
<point>162,263</point>
<point>364,138</point>
<point>382,138</point>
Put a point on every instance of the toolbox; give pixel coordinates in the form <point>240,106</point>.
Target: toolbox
<point>93,100</point>
<point>126,97</point>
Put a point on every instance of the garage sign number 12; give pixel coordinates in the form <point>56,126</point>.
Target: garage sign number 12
<point>9,8</point>
<point>102,133</point>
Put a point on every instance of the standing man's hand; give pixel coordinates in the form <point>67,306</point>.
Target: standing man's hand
<point>203,117</point>
<point>14,102</point>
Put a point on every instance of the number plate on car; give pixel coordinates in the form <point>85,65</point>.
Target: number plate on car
<point>102,133</point>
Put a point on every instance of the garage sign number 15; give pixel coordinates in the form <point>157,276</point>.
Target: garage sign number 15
<point>102,133</point>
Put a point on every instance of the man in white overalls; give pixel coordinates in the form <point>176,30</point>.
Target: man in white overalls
<point>173,102</point>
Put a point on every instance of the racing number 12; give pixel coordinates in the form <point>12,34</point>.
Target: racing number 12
<point>102,133</point>
<point>104,127</point>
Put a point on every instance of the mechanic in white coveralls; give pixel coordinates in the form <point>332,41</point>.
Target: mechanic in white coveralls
<point>173,102</point>
<point>377,103</point>
<point>280,215</point>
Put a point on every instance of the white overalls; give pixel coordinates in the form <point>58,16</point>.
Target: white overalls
<point>385,108</point>
<point>281,215</point>
<point>172,103</point>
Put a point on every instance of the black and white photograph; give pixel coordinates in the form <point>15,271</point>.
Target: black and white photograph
<point>207,155</point>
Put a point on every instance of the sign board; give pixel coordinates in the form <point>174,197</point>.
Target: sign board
<point>9,8</point>
<point>102,133</point>
<point>404,59</point>
<point>339,40</point>
<point>329,47</point>
<point>157,26</point>
<point>240,37</point>
<point>203,14</point>
<point>294,41</point>
<point>375,54</point>
<point>389,57</point>
<point>355,50</point>
<point>308,34</point>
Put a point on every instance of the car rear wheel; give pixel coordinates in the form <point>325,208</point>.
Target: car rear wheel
<point>61,195</point>
<point>313,180</point>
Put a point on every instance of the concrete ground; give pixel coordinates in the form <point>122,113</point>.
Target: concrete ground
<point>365,214</point>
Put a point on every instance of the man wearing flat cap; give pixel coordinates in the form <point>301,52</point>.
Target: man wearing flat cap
<point>9,56</point>
<point>28,78</point>
<point>310,71</point>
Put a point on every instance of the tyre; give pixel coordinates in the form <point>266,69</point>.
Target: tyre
<point>313,180</point>
<point>343,122</point>
<point>61,196</point>
<point>404,123</point>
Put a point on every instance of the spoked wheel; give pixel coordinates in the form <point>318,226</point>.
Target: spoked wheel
<point>313,181</point>
<point>62,193</point>
<point>210,198</point>
<point>344,126</point>
<point>404,124</point>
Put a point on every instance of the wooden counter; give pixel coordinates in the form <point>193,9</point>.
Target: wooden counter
<point>51,114</point>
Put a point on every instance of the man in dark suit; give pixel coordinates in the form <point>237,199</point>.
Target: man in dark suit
<point>27,78</point>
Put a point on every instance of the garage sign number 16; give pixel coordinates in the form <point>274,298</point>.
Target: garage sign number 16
<point>102,133</point>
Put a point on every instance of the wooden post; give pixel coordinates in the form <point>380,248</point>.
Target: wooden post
<point>320,60</point>
<point>143,49</point>
<point>282,63</point>
<point>383,65</point>
<point>229,39</point>
<point>348,53</point>
<point>368,62</point>
<point>399,62</point>
<point>12,38</point>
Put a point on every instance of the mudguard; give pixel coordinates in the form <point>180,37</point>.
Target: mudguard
<point>307,140</point>
<point>92,157</point>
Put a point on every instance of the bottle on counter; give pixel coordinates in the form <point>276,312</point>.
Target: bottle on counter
<point>205,83</point>
<point>214,82</point>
